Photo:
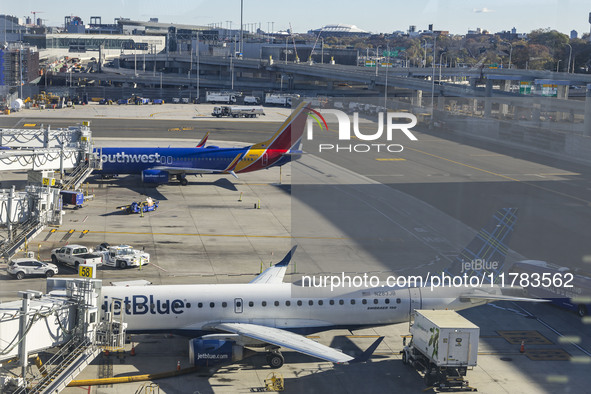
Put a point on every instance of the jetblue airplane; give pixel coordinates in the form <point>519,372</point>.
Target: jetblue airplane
<point>158,165</point>
<point>227,318</point>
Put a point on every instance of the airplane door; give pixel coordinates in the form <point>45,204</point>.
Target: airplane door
<point>416,301</point>
<point>265,159</point>
<point>238,305</point>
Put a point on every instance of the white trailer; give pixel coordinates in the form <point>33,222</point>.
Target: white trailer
<point>122,256</point>
<point>220,98</point>
<point>443,346</point>
<point>252,100</point>
<point>237,112</point>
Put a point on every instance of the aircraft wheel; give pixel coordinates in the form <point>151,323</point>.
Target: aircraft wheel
<point>582,310</point>
<point>275,360</point>
<point>184,181</point>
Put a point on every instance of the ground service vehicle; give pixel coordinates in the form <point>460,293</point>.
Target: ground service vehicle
<point>122,256</point>
<point>220,98</point>
<point>148,205</point>
<point>28,267</point>
<point>74,255</point>
<point>237,112</point>
<point>72,198</point>
<point>252,100</point>
<point>279,99</point>
<point>443,346</point>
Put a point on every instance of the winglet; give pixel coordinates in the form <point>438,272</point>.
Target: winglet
<point>287,258</point>
<point>363,357</point>
<point>201,143</point>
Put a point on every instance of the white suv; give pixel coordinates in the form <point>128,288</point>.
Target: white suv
<point>26,266</point>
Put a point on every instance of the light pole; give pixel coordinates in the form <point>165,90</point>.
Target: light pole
<point>197,49</point>
<point>440,55</point>
<point>321,50</point>
<point>433,80</point>
<point>241,32</point>
<point>425,51</point>
<point>386,86</point>
<point>558,64</point>
<point>570,52</point>
<point>510,53</point>
<point>377,51</point>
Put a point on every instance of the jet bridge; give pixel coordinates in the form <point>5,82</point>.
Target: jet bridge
<point>46,149</point>
<point>63,328</point>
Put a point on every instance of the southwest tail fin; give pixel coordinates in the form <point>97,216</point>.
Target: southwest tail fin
<point>201,143</point>
<point>291,131</point>
<point>485,254</point>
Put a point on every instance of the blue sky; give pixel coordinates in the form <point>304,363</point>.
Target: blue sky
<point>457,16</point>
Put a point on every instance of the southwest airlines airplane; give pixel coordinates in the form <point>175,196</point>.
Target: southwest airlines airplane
<point>158,165</point>
<point>227,318</point>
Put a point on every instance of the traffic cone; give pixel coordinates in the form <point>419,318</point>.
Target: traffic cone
<point>178,365</point>
<point>132,349</point>
<point>522,348</point>
<point>106,352</point>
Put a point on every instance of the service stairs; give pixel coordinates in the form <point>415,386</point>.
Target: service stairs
<point>20,235</point>
<point>64,366</point>
<point>78,176</point>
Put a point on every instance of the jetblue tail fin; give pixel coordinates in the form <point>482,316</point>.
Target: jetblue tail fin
<point>485,254</point>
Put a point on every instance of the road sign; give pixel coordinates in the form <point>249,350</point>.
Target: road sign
<point>87,271</point>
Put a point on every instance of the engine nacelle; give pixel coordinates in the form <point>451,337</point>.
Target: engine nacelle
<point>155,176</point>
<point>206,352</point>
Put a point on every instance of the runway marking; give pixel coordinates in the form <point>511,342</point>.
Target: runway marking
<point>30,125</point>
<point>206,235</point>
<point>486,155</point>
<point>391,159</point>
<point>504,177</point>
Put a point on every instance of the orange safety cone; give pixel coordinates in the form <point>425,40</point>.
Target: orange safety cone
<point>522,348</point>
<point>178,365</point>
<point>132,350</point>
<point>106,352</point>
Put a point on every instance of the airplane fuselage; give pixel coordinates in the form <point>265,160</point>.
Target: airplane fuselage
<point>135,160</point>
<point>193,308</point>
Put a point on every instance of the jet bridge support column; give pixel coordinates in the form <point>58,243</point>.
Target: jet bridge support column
<point>23,322</point>
<point>487,98</point>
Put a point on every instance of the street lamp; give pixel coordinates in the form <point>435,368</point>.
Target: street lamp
<point>570,52</point>
<point>425,51</point>
<point>440,55</point>
<point>510,53</point>
<point>377,51</point>
<point>558,64</point>
<point>386,86</point>
<point>433,79</point>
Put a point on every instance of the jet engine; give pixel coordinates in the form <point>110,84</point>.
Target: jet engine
<point>206,352</point>
<point>155,176</point>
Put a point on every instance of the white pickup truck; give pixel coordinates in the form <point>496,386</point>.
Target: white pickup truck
<point>122,256</point>
<point>75,255</point>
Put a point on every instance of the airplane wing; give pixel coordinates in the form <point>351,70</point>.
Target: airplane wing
<point>278,337</point>
<point>201,143</point>
<point>275,274</point>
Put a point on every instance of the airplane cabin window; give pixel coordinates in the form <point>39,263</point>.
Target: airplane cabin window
<point>364,301</point>
<point>352,302</point>
<point>211,304</point>
<point>224,304</point>
<point>387,300</point>
<point>200,305</point>
<point>320,302</point>
<point>276,303</point>
<point>250,303</point>
<point>341,302</point>
<point>398,300</point>
<point>287,303</point>
<point>331,302</point>
<point>264,303</point>
<point>299,302</point>
<point>310,302</point>
<point>375,300</point>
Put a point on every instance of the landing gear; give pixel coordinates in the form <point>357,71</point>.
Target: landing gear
<point>275,359</point>
<point>182,179</point>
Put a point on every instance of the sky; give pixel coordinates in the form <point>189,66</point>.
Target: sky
<point>456,16</point>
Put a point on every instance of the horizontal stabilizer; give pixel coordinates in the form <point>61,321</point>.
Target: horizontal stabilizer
<point>498,297</point>
<point>363,357</point>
